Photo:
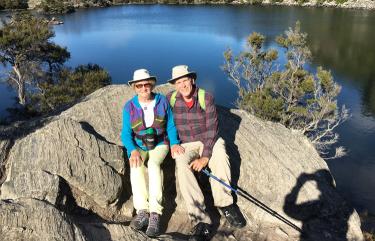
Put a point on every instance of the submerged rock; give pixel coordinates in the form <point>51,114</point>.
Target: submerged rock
<point>55,21</point>
<point>76,164</point>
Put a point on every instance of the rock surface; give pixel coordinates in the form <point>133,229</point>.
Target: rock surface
<point>34,220</point>
<point>63,148</point>
<point>74,163</point>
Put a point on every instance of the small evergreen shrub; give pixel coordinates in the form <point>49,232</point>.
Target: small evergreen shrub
<point>293,96</point>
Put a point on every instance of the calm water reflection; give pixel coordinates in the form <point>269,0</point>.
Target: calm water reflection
<point>158,37</point>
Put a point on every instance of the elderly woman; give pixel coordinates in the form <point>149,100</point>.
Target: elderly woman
<point>148,131</point>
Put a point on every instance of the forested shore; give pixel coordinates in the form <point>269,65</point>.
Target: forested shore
<point>55,6</point>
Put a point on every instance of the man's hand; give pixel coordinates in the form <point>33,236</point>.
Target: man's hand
<point>177,150</point>
<point>135,159</point>
<point>199,164</point>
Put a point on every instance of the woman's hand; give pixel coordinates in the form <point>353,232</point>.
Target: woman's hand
<point>177,150</point>
<point>135,159</point>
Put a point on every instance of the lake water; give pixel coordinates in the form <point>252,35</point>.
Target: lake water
<point>157,37</point>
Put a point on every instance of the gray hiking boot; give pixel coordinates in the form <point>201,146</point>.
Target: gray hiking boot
<point>153,228</point>
<point>140,221</point>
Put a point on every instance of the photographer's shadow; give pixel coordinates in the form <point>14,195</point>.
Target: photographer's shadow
<point>324,219</point>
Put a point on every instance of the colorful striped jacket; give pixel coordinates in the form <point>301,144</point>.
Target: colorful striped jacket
<point>133,123</point>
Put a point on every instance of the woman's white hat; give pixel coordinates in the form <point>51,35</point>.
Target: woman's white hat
<point>139,75</point>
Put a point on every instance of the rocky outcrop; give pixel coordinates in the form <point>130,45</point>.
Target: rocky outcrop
<point>74,165</point>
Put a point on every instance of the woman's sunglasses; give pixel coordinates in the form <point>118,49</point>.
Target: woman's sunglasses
<point>147,85</point>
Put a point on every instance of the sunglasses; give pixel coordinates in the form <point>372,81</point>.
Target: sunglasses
<point>139,86</point>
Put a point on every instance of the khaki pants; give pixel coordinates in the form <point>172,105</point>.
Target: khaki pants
<point>143,199</point>
<point>190,190</point>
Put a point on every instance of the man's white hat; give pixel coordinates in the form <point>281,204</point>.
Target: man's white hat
<point>180,71</point>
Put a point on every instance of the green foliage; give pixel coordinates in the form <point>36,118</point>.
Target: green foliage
<point>69,87</point>
<point>292,96</point>
<point>341,1</point>
<point>307,85</point>
<point>300,2</point>
<point>13,4</point>
<point>23,34</point>
<point>56,6</point>
<point>262,104</point>
<point>256,2</point>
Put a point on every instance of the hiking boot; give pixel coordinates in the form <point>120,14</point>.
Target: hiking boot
<point>140,221</point>
<point>153,228</point>
<point>234,216</point>
<point>200,232</point>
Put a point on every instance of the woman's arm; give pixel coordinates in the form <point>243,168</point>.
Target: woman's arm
<point>127,133</point>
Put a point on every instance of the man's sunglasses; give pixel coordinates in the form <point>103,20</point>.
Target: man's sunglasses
<point>147,85</point>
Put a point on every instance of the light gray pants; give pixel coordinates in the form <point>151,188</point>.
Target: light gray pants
<point>190,190</point>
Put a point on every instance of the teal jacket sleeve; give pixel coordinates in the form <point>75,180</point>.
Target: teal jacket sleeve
<point>127,133</point>
<point>171,127</point>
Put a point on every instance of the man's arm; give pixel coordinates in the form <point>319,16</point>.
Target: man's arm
<point>211,126</point>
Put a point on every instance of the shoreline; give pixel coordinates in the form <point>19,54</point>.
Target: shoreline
<point>350,4</point>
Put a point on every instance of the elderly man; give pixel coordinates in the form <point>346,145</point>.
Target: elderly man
<point>195,117</point>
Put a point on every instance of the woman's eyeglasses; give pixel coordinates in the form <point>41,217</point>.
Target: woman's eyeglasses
<point>147,85</point>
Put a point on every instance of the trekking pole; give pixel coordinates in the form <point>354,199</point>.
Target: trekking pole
<point>252,199</point>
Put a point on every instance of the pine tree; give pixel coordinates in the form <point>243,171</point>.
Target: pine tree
<point>26,50</point>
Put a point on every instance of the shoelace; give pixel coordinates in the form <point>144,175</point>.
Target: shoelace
<point>141,216</point>
<point>154,221</point>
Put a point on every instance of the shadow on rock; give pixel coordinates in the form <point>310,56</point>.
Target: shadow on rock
<point>324,219</point>
<point>169,191</point>
<point>126,193</point>
<point>90,129</point>
<point>228,133</point>
<point>88,222</point>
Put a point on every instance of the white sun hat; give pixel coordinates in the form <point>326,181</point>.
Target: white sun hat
<point>140,75</point>
<point>180,71</point>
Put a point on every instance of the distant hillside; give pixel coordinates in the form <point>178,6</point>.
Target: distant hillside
<point>363,4</point>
